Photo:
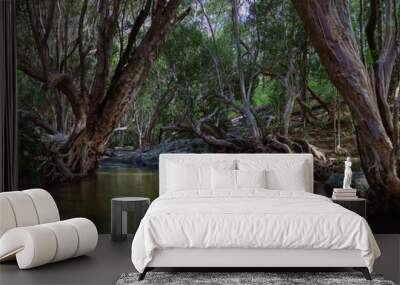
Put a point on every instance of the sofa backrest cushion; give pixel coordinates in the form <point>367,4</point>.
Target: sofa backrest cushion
<point>7,218</point>
<point>26,208</point>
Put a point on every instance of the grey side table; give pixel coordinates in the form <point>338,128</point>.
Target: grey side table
<point>119,208</point>
<point>357,205</point>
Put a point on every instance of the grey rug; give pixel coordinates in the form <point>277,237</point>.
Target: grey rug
<point>269,278</point>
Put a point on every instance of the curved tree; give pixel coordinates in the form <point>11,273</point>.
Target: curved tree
<point>367,94</point>
<point>75,42</point>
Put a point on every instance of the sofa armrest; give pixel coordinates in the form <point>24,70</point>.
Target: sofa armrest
<point>32,246</point>
<point>40,244</point>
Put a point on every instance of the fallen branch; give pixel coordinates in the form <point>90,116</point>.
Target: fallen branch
<point>319,100</point>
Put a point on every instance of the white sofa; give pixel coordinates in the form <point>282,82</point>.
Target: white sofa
<point>31,231</point>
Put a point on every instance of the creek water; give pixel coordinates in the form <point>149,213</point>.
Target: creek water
<point>91,196</point>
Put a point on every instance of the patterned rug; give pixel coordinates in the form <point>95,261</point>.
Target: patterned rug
<point>243,278</point>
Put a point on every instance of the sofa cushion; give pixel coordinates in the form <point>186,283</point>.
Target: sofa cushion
<point>45,205</point>
<point>23,208</point>
<point>7,220</point>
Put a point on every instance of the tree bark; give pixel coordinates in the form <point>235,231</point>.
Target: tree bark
<point>287,112</point>
<point>289,83</point>
<point>329,26</point>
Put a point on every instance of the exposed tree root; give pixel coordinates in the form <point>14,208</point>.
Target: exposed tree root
<point>70,161</point>
<point>231,143</point>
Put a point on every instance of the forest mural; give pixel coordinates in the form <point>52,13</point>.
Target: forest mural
<point>105,86</point>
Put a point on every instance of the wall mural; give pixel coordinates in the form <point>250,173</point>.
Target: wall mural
<point>105,86</point>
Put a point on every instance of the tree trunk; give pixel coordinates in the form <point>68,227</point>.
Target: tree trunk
<point>247,111</point>
<point>288,112</point>
<point>73,161</point>
<point>289,82</point>
<point>329,26</point>
<point>98,111</point>
<point>303,82</point>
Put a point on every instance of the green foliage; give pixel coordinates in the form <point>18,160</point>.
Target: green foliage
<point>30,149</point>
<point>188,67</point>
<point>265,93</point>
<point>322,87</point>
<point>32,97</point>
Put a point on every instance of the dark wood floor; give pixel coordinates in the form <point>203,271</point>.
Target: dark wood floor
<point>106,264</point>
<point>103,266</point>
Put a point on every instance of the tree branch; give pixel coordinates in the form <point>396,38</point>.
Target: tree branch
<point>49,23</point>
<point>318,99</point>
<point>39,122</point>
<point>371,27</point>
<point>105,33</point>
<point>82,54</point>
<point>62,82</point>
<point>125,87</point>
<point>139,21</point>
<point>210,139</point>
<point>236,35</point>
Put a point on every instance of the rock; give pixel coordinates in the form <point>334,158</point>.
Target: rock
<point>149,157</point>
<point>115,162</point>
<point>124,148</point>
<point>57,138</point>
<point>109,152</point>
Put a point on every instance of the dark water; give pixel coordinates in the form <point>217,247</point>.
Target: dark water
<point>91,197</point>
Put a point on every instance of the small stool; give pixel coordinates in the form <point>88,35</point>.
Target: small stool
<point>119,208</point>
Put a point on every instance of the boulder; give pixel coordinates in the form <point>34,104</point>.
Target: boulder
<point>149,158</point>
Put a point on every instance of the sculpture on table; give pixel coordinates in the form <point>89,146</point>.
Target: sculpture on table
<point>347,174</point>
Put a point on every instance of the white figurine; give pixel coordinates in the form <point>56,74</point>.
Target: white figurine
<point>347,174</point>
